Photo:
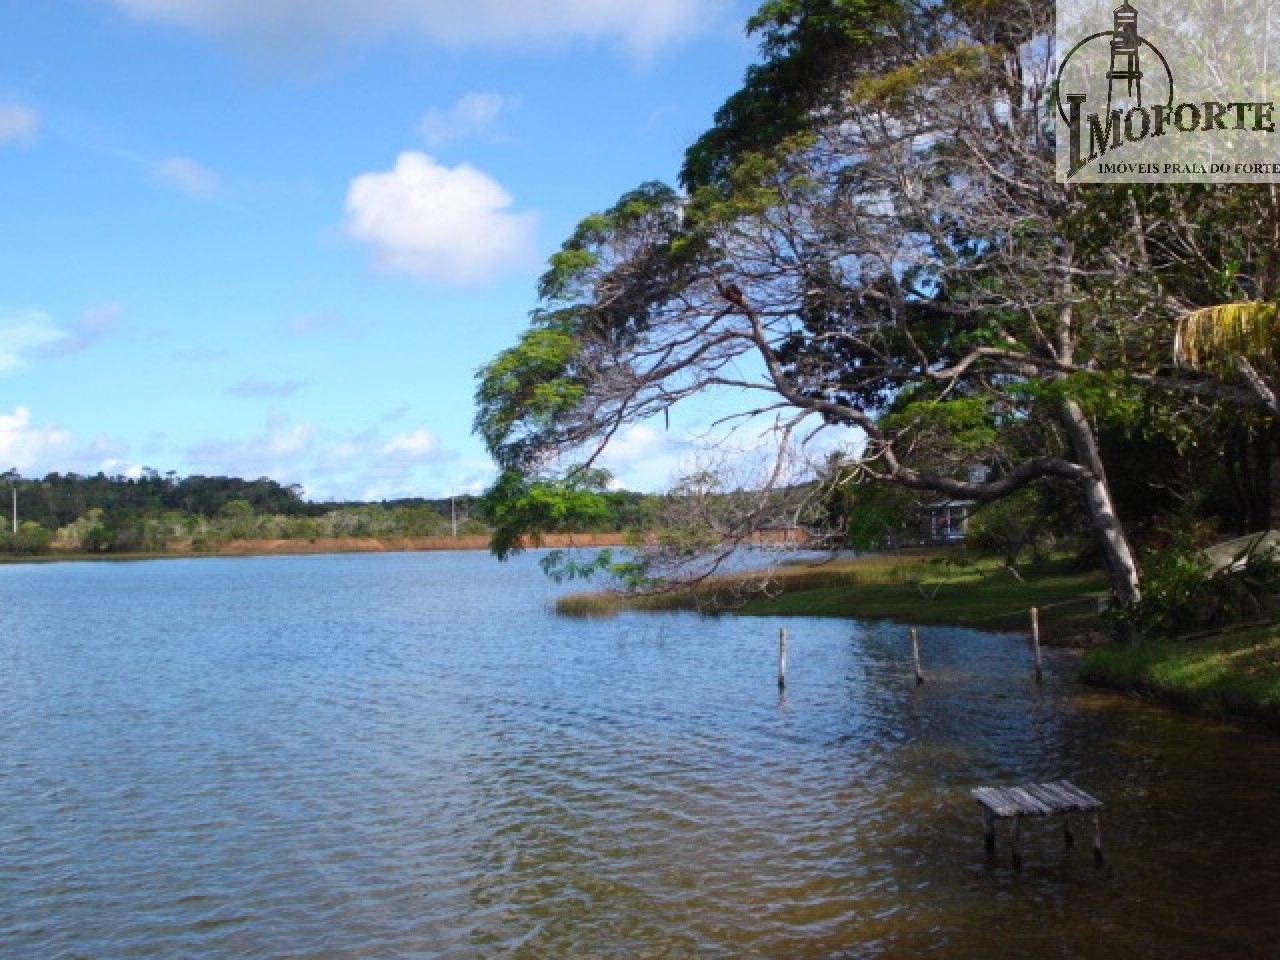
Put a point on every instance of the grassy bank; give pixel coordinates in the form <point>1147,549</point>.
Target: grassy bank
<point>1231,673</point>
<point>926,587</point>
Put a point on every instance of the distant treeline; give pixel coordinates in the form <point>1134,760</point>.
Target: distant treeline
<point>155,512</point>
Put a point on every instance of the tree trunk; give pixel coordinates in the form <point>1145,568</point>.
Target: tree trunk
<point>1116,551</point>
<point>1260,506</point>
<point>1235,463</point>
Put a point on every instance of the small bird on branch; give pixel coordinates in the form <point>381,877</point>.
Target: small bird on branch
<point>733,293</point>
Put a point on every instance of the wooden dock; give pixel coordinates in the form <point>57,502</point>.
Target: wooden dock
<point>1061,798</point>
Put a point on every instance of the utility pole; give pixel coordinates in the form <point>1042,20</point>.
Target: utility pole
<point>453,517</point>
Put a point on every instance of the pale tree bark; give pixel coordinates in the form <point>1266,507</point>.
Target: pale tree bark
<point>1122,566</point>
<point>1258,384</point>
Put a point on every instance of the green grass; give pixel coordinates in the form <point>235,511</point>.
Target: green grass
<point>919,587</point>
<point>1232,673</point>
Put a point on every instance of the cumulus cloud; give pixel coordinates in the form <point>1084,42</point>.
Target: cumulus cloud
<point>19,124</point>
<point>275,453</point>
<point>643,458</point>
<point>32,335</point>
<point>253,387</point>
<point>101,453</point>
<point>416,443</point>
<point>642,27</point>
<point>472,114</point>
<point>366,464</point>
<point>448,224</point>
<point>119,467</point>
<point>24,444</point>
<point>187,176</point>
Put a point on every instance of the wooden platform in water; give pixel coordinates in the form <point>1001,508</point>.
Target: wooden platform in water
<point>1036,800</point>
<point>1059,798</point>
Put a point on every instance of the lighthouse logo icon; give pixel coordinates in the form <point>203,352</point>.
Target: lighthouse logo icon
<point>1125,62</point>
<point>1121,68</point>
<point>1119,119</point>
<point>1127,55</point>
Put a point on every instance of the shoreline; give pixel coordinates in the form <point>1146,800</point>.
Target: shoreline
<point>914,587</point>
<point>181,550</point>
<point>1231,673</point>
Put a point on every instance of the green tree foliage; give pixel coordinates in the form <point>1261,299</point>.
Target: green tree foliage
<point>872,516</point>
<point>31,539</point>
<point>1185,593</point>
<point>872,238</point>
<point>882,254</point>
<point>810,51</point>
<point>519,510</point>
<point>103,514</point>
<point>1012,528</point>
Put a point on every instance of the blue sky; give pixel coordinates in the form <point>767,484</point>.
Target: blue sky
<point>278,237</point>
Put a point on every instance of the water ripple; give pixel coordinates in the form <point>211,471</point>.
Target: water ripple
<point>406,756</point>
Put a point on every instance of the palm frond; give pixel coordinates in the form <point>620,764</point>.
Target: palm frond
<point>1212,339</point>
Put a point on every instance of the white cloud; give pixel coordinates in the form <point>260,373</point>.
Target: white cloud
<point>32,335</point>
<point>277,453</point>
<point>642,27</point>
<point>473,113</point>
<point>289,441</point>
<point>94,326</point>
<point>102,453</point>
<point>27,336</point>
<point>331,465</point>
<point>118,467</point>
<point>449,224</point>
<point>25,445</point>
<point>415,443</point>
<point>18,123</point>
<point>187,176</point>
<point>643,458</point>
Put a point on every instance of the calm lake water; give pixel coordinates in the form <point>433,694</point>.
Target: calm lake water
<point>407,756</point>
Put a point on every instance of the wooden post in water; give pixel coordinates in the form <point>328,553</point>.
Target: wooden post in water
<point>915,656</point>
<point>782,658</point>
<point>1035,642</point>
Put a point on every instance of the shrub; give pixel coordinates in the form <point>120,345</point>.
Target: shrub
<point>1181,592</point>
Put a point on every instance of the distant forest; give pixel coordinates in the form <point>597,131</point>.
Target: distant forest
<point>155,512</point>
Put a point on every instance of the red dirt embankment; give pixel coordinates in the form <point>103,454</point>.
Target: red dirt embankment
<point>238,548</point>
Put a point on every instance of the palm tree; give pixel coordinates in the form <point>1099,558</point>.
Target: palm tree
<point>1234,341</point>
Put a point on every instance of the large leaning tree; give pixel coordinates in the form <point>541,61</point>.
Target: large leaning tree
<point>870,255</point>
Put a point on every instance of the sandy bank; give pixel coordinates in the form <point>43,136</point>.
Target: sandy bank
<point>236,548</point>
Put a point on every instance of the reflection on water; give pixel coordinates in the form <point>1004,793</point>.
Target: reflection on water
<point>407,756</point>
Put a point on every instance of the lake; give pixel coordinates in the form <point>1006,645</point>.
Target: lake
<point>409,756</point>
